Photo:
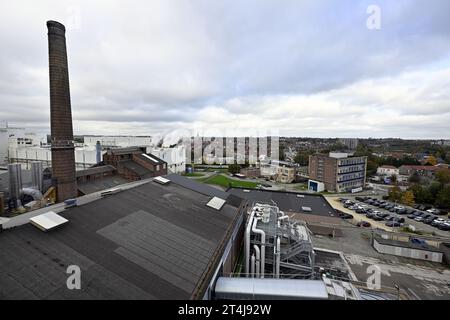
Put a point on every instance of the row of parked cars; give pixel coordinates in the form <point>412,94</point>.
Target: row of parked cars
<point>376,215</point>
<point>428,217</point>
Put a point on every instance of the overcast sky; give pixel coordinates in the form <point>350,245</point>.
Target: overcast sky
<point>299,68</point>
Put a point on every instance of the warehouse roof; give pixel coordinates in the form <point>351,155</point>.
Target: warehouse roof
<point>127,150</point>
<point>197,186</point>
<point>149,242</point>
<point>95,170</point>
<point>137,169</point>
<point>288,201</point>
<point>103,183</point>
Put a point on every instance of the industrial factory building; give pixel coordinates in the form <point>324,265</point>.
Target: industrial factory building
<point>311,208</point>
<point>134,163</point>
<point>157,240</point>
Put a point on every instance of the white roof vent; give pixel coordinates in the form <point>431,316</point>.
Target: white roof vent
<point>306,209</point>
<point>48,221</point>
<point>216,203</point>
<point>161,180</point>
<point>150,158</point>
<point>109,192</point>
<point>300,196</point>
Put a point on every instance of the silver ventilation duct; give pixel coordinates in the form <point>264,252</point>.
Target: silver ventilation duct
<point>15,180</point>
<point>37,175</point>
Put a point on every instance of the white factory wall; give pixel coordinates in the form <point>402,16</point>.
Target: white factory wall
<point>6,135</point>
<point>175,157</point>
<point>3,146</point>
<point>84,157</point>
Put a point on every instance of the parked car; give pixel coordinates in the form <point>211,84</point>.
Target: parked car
<point>364,224</point>
<point>437,222</point>
<point>353,207</point>
<point>370,215</point>
<point>418,219</point>
<point>436,212</point>
<point>429,220</point>
<point>393,224</point>
<point>361,211</point>
<point>418,241</point>
<point>377,217</point>
<point>359,199</point>
<point>401,211</point>
<point>411,216</point>
<point>346,216</point>
<point>444,226</point>
<point>409,211</point>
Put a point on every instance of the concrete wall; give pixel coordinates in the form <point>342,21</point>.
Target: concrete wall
<point>408,252</point>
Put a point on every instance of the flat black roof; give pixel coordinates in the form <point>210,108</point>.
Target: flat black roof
<point>149,242</point>
<point>94,170</point>
<point>100,184</point>
<point>196,186</point>
<point>288,201</point>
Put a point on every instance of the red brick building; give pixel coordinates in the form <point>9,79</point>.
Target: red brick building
<point>135,164</point>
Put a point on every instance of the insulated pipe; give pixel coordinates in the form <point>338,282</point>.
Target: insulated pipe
<point>252,266</point>
<point>277,271</point>
<point>35,193</point>
<point>247,242</point>
<point>258,259</point>
<point>263,244</point>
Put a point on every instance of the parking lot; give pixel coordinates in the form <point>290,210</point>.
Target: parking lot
<point>395,216</point>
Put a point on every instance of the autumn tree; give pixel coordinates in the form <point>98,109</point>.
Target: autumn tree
<point>443,198</point>
<point>408,198</point>
<point>393,178</point>
<point>395,193</point>
<point>431,161</point>
<point>443,176</point>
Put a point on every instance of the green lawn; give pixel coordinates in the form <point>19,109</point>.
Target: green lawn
<point>194,174</point>
<point>224,181</point>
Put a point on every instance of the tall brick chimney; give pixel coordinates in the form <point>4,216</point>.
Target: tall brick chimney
<point>63,157</point>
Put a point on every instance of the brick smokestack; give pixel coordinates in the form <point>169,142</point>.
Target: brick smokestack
<point>63,157</point>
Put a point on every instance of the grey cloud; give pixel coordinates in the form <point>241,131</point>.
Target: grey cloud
<point>164,64</point>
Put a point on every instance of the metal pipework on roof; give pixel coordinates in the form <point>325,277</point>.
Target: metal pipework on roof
<point>257,260</point>
<point>277,254</point>
<point>247,242</point>
<point>252,265</point>
<point>263,244</point>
